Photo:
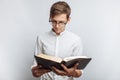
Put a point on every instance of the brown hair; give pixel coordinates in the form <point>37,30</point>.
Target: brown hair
<point>60,7</point>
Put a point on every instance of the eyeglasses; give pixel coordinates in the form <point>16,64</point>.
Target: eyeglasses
<point>60,23</point>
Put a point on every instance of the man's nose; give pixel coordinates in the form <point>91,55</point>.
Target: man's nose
<point>57,25</point>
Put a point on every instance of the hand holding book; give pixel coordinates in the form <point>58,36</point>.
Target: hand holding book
<point>73,71</point>
<point>38,70</point>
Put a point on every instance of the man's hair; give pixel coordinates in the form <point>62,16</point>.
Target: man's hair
<point>60,7</point>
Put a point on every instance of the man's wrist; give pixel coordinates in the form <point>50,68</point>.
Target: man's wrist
<point>77,73</point>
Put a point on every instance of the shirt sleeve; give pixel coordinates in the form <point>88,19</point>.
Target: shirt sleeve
<point>38,49</point>
<point>78,48</point>
<point>38,46</point>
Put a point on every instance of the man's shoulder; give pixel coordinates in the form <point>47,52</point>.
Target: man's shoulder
<point>44,35</point>
<point>73,35</point>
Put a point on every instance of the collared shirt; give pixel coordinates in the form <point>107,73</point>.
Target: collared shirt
<point>64,45</point>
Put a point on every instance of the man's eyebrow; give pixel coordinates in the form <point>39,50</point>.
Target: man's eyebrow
<point>57,20</point>
<point>54,20</point>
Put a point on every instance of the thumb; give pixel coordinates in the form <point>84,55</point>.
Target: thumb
<point>39,66</point>
<point>76,65</point>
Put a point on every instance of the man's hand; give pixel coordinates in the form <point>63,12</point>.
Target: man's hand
<point>73,71</point>
<point>37,71</point>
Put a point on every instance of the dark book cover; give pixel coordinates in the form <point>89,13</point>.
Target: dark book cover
<point>82,62</point>
<point>47,64</point>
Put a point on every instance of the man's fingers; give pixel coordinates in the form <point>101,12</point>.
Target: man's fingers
<point>64,67</point>
<point>76,65</point>
<point>55,69</point>
<point>59,72</point>
<point>40,66</point>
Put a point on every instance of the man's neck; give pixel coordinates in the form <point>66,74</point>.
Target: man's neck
<point>57,33</point>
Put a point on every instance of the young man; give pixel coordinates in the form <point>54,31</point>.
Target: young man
<point>60,43</point>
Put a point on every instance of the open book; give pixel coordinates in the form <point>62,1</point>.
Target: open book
<point>48,61</point>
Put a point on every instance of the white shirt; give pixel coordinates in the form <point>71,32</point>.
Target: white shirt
<point>64,45</point>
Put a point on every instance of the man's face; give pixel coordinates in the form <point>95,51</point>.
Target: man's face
<point>58,23</point>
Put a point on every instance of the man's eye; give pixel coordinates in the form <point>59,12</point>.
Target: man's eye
<point>54,21</point>
<point>61,22</point>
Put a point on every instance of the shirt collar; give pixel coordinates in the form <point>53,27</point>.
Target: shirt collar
<point>53,33</point>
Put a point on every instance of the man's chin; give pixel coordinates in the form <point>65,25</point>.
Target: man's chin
<point>58,33</point>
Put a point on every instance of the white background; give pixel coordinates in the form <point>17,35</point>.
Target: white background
<point>97,22</point>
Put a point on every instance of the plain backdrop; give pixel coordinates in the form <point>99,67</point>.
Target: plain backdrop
<point>97,22</point>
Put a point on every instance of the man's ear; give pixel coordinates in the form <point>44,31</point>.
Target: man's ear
<point>69,19</point>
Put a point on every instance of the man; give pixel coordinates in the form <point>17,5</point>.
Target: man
<point>60,43</point>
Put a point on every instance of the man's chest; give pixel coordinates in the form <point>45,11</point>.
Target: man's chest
<point>58,47</point>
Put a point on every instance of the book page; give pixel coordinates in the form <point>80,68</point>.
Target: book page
<point>73,57</point>
<point>48,57</point>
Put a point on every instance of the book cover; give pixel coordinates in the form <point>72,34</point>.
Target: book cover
<point>48,61</point>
